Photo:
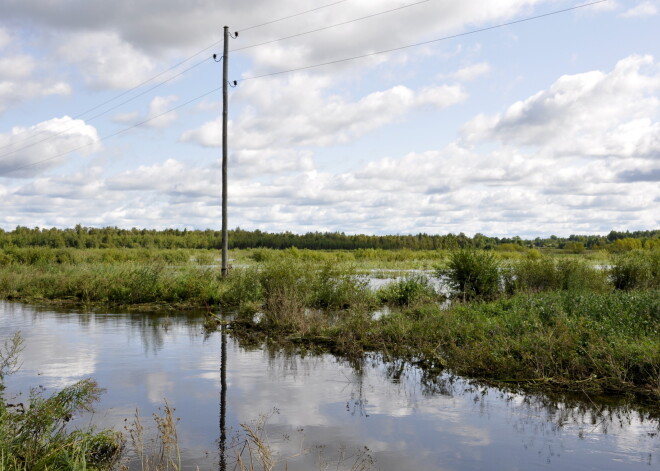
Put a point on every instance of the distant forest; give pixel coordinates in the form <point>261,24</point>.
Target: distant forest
<point>112,237</point>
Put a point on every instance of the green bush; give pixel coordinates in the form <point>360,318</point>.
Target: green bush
<point>472,274</point>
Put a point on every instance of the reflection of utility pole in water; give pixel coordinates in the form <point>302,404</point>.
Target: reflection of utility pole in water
<point>223,396</point>
<point>358,402</point>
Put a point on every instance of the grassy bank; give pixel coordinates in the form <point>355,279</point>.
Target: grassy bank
<point>572,321</point>
<point>538,320</point>
<point>601,342</point>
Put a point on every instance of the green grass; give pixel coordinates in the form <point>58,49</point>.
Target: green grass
<point>35,437</point>
<point>602,342</point>
<point>124,284</point>
<point>533,317</point>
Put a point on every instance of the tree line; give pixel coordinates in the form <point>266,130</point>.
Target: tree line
<point>113,237</point>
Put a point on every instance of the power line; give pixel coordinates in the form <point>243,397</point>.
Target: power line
<point>121,131</point>
<point>291,16</point>
<point>337,61</point>
<point>318,65</point>
<point>126,92</point>
<point>80,115</point>
<point>52,136</point>
<point>330,26</point>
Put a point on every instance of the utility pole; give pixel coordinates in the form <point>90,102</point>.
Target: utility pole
<point>225,107</point>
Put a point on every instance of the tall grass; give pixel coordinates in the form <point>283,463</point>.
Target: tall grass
<point>608,341</point>
<point>295,295</point>
<point>34,436</point>
<point>410,290</point>
<point>542,273</point>
<point>118,284</point>
<point>636,270</point>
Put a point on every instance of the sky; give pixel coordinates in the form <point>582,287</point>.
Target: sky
<point>539,127</point>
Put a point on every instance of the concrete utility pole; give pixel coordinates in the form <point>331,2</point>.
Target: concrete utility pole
<point>225,106</point>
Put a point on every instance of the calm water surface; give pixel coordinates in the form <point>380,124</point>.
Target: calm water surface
<point>316,404</point>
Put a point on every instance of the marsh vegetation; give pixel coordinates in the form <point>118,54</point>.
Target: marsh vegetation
<point>589,320</point>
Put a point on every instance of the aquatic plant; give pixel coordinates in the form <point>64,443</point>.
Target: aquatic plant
<point>411,289</point>
<point>33,436</point>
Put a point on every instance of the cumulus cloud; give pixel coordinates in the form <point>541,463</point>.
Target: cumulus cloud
<point>106,60</point>
<point>470,72</point>
<point>157,116</point>
<point>12,92</point>
<point>160,27</point>
<point>131,117</point>
<point>642,9</point>
<point>16,67</point>
<point>17,83</point>
<point>300,114</point>
<point>157,109</point>
<point>592,114</point>
<point>29,151</point>
<point>431,20</point>
<point>5,39</point>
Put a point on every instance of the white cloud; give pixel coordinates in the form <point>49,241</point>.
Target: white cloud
<point>643,9</point>
<point>160,27</point>
<point>300,114</point>
<point>12,92</point>
<point>106,60</point>
<point>5,39</point>
<point>593,113</point>
<point>30,151</point>
<point>431,20</point>
<point>470,72</point>
<point>130,117</point>
<point>16,67</point>
<point>18,85</point>
<point>158,106</point>
<point>157,115</point>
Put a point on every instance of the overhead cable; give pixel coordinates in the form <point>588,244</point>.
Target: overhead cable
<point>453,36</point>
<point>126,92</point>
<point>329,27</point>
<point>121,131</point>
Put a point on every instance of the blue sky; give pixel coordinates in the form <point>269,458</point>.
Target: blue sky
<point>543,127</point>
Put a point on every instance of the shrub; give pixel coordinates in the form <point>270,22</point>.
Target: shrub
<point>472,274</point>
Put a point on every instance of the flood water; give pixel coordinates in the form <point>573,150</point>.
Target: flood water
<point>317,405</point>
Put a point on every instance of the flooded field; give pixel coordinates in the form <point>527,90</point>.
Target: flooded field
<point>318,408</point>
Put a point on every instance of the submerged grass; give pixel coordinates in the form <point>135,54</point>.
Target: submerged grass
<point>535,318</point>
<point>603,342</point>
